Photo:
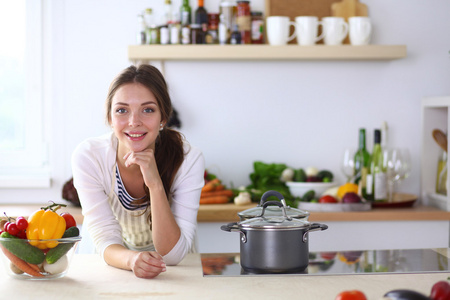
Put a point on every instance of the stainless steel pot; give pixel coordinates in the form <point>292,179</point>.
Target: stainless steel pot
<point>272,210</point>
<point>274,244</point>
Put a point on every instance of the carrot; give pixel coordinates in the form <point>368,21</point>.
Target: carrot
<point>34,267</point>
<point>210,185</point>
<point>228,193</point>
<point>219,187</point>
<point>214,200</point>
<point>21,264</point>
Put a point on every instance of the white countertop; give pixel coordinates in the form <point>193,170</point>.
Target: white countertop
<point>90,278</point>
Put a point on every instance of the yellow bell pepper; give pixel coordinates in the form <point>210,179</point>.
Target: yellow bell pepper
<point>45,225</point>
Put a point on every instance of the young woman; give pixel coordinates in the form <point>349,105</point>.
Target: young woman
<point>140,185</point>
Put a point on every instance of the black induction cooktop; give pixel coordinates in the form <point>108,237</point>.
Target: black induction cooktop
<point>343,263</point>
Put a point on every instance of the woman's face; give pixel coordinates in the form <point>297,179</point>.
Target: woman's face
<point>135,118</point>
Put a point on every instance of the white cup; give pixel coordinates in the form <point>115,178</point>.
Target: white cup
<point>278,30</point>
<point>360,30</point>
<point>335,29</point>
<point>307,30</point>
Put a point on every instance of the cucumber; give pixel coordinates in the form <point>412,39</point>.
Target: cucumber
<point>22,250</point>
<point>300,175</point>
<point>59,251</point>
<point>308,196</point>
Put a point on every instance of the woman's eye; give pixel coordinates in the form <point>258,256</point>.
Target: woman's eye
<point>121,110</point>
<point>148,110</point>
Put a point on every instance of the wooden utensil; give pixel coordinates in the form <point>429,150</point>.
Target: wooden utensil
<point>349,8</point>
<point>441,138</point>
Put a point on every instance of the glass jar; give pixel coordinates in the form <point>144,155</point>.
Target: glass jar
<point>197,34</point>
<point>257,28</point>
<point>244,21</point>
<point>213,25</point>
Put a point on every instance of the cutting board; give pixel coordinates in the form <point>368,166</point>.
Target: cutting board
<point>349,8</point>
<point>294,8</point>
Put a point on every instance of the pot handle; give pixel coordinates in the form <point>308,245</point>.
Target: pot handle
<point>272,193</point>
<point>230,227</point>
<point>314,227</point>
<point>276,203</point>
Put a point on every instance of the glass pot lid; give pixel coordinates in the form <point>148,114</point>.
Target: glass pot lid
<point>273,210</point>
<point>282,221</point>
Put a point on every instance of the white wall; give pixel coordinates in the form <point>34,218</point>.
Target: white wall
<point>300,113</point>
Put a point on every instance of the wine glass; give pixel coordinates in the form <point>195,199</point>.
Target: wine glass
<point>348,163</point>
<point>398,166</point>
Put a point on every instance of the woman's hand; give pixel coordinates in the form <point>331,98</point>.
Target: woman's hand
<point>147,163</point>
<point>147,264</point>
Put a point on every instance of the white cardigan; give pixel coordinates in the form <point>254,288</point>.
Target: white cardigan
<point>93,164</point>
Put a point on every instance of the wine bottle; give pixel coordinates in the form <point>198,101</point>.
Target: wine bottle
<point>185,13</point>
<point>377,179</point>
<point>168,14</point>
<point>362,163</point>
<point>201,16</point>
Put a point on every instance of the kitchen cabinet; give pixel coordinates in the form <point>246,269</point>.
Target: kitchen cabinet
<point>137,53</point>
<point>379,229</point>
<point>434,116</point>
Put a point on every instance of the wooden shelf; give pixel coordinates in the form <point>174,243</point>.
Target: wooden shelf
<point>228,213</point>
<point>265,52</point>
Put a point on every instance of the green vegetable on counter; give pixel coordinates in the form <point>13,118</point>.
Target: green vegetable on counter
<point>267,177</point>
<point>22,250</point>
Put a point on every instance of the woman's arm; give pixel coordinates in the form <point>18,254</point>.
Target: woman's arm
<point>144,264</point>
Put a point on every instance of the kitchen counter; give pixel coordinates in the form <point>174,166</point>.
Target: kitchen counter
<point>90,278</point>
<point>228,213</point>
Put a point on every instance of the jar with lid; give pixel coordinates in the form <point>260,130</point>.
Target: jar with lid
<point>227,16</point>
<point>185,35</point>
<point>141,36</point>
<point>197,34</point>
<point>257,27</point>
<point>213,26</point>
<point>244,21</point>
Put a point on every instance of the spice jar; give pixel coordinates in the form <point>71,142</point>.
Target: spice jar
<point>197,34</point>
<point>244,21</point>
<point>213,25</point>
<point>257,28</point>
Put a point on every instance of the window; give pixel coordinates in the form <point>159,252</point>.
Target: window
<point>23,154</point>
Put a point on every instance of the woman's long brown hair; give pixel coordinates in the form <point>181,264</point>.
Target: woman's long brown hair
<point>169,145</point>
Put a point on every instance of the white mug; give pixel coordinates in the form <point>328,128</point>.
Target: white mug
<point>360,30</point>
<point>307,30</point>
<point>336,30</point>
<point>278,30</point>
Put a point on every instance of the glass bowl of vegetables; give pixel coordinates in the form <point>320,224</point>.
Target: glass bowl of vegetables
<point>38,259</point>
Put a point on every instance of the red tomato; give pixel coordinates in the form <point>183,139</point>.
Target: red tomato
<point>21,223</point>
<point>12,229</point>
<point>351,295</point>
<point>22,235</point>
<point>328,255</point>
<point>440,291</point>
<point>327,199</point>
<point>70,220</point>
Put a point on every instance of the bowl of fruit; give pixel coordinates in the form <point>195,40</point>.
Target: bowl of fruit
<point>40,247</point>
<point>311,182</point>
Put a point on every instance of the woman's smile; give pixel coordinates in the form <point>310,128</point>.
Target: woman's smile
<point>135,117</point>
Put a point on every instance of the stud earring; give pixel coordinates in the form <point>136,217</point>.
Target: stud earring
<point>161,127</point>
